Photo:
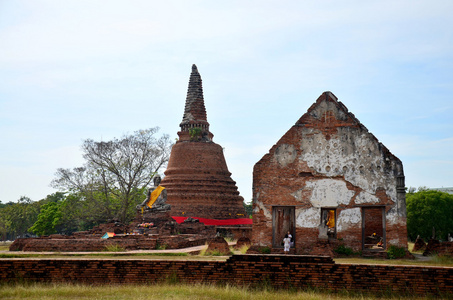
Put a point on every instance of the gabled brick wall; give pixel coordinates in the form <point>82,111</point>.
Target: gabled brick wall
<point>328,160</point>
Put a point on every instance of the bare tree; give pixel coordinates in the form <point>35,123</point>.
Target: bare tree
<point>117,171</point>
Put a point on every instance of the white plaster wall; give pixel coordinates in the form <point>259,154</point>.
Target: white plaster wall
<point>366,198</point>
<point>285,154</point>
<point>329,193</point>
<point>351,154</point>
<point>308,218</point>
<point>392,218</point>
<point>349,218</point>
<point>260,206</point>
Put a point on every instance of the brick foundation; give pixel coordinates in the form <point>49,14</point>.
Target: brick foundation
<point>280,271</point>
<point>131,242</point>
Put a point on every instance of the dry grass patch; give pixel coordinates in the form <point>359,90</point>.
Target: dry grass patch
<point>167,291</point>
<point>431,261</point>
<point>4,246</point>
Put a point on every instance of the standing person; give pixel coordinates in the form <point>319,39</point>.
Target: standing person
<point>291,239</point>
<point>286,243</point>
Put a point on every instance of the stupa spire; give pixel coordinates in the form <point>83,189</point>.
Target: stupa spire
<point>194,111</point>
<point>197,179</point>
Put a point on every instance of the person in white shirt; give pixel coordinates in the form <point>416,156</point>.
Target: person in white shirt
<point>291,244</point>
<point>286,243</point>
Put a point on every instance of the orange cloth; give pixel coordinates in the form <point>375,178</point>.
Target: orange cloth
<point>331,220</point>
<point>154,195</point>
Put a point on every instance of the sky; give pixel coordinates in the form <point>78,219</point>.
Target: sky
<point>81,69</point>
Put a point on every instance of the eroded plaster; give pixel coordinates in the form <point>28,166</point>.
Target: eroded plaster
<point>308,218</point>
<point>285,154</point>
<point>349,218</point>
<point>366,198</point>
<point>260,206</point>
<point>298,195</point>
<point>393,218</point>
<point>329,193</point>
<point>352,154</point>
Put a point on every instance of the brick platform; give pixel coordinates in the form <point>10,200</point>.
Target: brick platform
<point>280,271</point>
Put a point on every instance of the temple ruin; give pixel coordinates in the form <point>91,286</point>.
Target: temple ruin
<point>196,199</point>
<point>197,179</point>
<point>328,181</point>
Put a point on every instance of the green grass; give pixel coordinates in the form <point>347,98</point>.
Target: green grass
<point>242,250</point>
<point>213,253</point>
<point>434,261</point>
<point>168,291</point>
<point>443,260</point>
<point>114,248</point>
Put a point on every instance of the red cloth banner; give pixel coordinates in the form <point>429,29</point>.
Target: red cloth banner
<point>242,221</point>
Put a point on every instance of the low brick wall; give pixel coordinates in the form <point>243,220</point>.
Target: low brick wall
<point>280,271</point>
<point>128,242</point>
<point>81,245</point>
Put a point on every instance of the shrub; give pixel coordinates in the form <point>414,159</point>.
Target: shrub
<point>214,252</point>
<point>394,252</point>
<point>244,248</point>
<point>114,248</point>
<point>343,250</point>
<point>265,250</point>
<point>160,246</point>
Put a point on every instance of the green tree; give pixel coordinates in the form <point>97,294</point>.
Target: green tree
<point>48,218</point>
<point>248,208</point>
<point>115,173</point>
<point>18,217</point>
<point>50,215</point>
<point>428,209</point>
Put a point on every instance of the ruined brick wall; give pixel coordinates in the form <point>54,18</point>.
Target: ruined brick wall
<point>438,247</point>
<point>130,242</point>
<point>82,245</point>
<point>328,159</point>
<point>279,271</point>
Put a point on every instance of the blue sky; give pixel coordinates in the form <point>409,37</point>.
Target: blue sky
<point>74,69</point>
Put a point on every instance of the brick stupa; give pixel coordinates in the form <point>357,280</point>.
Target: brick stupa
<point>197,179</point>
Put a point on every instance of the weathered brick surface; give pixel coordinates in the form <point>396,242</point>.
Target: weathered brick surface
<point>329,160</point>
<point>83,245</point>
<point>242,242</point>
<point>419,245</point>
<point>199,184</point>
<point>218,244</point>
<point>437,247</point>
<point>129,242</point>
<point>167,232</point>
<point>280,271</point>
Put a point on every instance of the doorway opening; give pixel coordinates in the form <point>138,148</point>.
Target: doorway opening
<point>329,220</point>
<point>373,228</point>
<point>283,221</point>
